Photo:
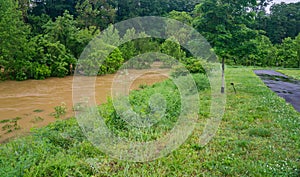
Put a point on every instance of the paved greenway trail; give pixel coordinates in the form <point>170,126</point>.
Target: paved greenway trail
<point>28,104</point>
<point>284,86</point>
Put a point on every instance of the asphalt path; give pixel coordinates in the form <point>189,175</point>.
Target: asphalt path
<point>284,86</point>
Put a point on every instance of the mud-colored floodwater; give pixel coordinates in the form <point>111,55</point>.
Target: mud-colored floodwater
<point>28,104</point>
<point>284,86</point>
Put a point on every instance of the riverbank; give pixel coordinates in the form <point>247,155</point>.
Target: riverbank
<point>30,104</point>
<point>259,136</point>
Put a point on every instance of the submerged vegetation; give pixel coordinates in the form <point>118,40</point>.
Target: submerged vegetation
<point>10,125</point>
<point>259,136</point>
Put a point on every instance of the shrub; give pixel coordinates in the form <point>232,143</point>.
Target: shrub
<point>201,81</point>
<point>39,71</point>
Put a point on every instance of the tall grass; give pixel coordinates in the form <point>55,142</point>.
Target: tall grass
<point>259,136</point>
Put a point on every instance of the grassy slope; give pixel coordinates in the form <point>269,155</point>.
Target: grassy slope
<point>293,73</point>
<point>259,136</point>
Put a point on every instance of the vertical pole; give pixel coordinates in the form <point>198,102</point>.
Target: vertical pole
<point>223,76</point>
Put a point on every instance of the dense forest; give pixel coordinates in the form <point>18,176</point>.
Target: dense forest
<point>44,38</point>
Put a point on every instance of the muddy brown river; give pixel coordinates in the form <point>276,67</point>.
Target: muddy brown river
<point>28,104</point>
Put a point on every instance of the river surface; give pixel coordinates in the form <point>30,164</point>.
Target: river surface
<point>28,104</point>
<point>284,86</point>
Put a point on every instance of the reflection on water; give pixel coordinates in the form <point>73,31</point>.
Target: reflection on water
<point>28,104</point>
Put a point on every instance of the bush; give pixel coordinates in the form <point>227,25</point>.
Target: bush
<point>201,81</point>
<point>18,70</point>
<point>39,71</point>
<point>193,65</point>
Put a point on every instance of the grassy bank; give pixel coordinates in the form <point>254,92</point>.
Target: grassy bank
<point>259,136</point>
<point>292,73</point>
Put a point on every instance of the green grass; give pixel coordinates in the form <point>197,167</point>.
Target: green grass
<point>292,73</point>
<point>259,136</point>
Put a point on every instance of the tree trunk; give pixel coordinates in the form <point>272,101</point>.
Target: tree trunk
<point>223,76</point>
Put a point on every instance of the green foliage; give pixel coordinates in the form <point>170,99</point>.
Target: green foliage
<point>226,25</point>
<point>40,71</point>
<point>130,9</point>
<point>57,139</point>
<point>37,22</point>
<point>179,70</point>
<point>13,43</point>
<point>49,55</point>
<point>129,47</point>
<point>49,35</point>
<point>134,46</point>
<point>183,17</point>
<point>257,52</point>
<point>62,30</point>
<point>140,103</point>
<point>287,53</point>
<point>81,39</point>
<point>60,111</point>
<point>171,48</point>
<point>282,22</point>
<point>292,73</point>
<point>52,8</point>
<point>242,147</point>
<point>194,65</point>
<point>100,60</point>
<point>111,63</point>
<point>95,13</point>
<point>16,70</point>
<point>201,81</point>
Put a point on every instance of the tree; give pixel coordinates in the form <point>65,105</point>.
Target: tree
<point>112,62</point>
<point>95,13</point>
<point>283,22</point>
<point>297,43</point>
<point>287,53</point>
<point>226,25</point>
<point>128,48</point>
<point>62,29</point>
<point>37,22</point>
<point>48,55</point>
<point>13,41</point>
<point>135,8</point>
<point>23,6</point>
<point>183,17</point>
<point>257,52</point>
<point>100,60</point>
<point>53,8</point>
<point>171,47</point>
<point>81,39</point>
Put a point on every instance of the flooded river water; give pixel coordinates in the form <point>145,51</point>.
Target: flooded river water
<point>284,86</point>
<point>28,104</point>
